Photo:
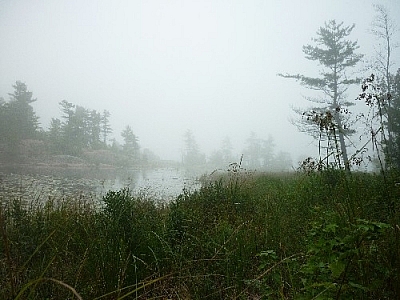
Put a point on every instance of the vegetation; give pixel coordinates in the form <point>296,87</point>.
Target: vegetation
<point>326,235</point>
<point>18,121</point>
<point>260,155</point>
<point>321,233</point>
<point>191,154</point>
<point>386,84</point>
<point>330,122</point>
<point>336,54</point>
<point>80,132</point>
<point>83,134</point>
<point>392,146</point>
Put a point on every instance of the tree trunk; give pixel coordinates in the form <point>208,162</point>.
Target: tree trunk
<point>343,148</point>
<point>342,144</point>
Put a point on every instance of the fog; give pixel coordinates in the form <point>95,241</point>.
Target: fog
<point>165,67</point>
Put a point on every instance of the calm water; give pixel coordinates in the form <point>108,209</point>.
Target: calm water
<point>161,184</point>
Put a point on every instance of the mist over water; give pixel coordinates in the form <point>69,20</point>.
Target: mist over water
<point>223,149</point>
<point>36,189</point>
<point>166,68</point>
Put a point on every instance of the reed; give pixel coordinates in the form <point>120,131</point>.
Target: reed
<point>285,236</point>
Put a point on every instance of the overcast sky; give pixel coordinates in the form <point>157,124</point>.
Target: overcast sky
<point>164,67</point>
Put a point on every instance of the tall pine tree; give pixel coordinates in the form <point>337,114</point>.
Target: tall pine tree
<point>18,119</point>
<point>336,54</point>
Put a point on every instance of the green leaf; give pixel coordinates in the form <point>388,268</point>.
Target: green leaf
<point>331,228</point>
<point>358,286</point>
<point>337,268</point>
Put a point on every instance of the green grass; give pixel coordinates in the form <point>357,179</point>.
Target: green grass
<point>328,235</point>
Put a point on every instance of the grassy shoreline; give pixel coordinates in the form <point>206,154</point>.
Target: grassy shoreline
<point>327,235</point>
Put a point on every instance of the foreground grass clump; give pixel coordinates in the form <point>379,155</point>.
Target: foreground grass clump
<point>328,235</point>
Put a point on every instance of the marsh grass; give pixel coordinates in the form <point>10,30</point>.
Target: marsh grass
<point>325,235</point>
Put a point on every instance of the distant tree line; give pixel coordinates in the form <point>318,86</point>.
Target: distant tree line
<point>258,154</point>
<point>79,130</point>
<point>86,133</point>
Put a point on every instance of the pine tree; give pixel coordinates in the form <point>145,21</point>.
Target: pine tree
<point>336,54</point>
<point>94,129</point>
<point>105,126</point>
<point>55,137</point>
<point>131,146</point>
<point>192,156</point>
<point>18,119</point>
<point>23,117</point>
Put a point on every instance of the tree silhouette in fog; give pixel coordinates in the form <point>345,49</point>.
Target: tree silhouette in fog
<point>336,54</point>
<point>192,155</point>
<point>131,145</point>
<point>18,120</point>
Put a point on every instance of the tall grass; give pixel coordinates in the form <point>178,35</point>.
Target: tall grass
<point>327,235</point>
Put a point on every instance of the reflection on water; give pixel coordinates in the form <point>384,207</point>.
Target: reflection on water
<point>160,184</point>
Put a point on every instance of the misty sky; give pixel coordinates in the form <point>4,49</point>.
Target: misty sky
<point>164,67</point>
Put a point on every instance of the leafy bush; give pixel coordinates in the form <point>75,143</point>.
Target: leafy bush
<point>342,259</point>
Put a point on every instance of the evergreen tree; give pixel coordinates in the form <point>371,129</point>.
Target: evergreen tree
<point>82,128</point>
<point>18,119</point>
<point>336,54</point>
<point>75,128</point>
<point>67,109</point>
<point>105,126</point>
<point>22,117</point>
<point>223,157</point>
<point>55,136</point>
<point>192,156</point>
<point>131,145</point>
<point>252,155</point>
<point>94,130</point>
<point>259,153</point>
